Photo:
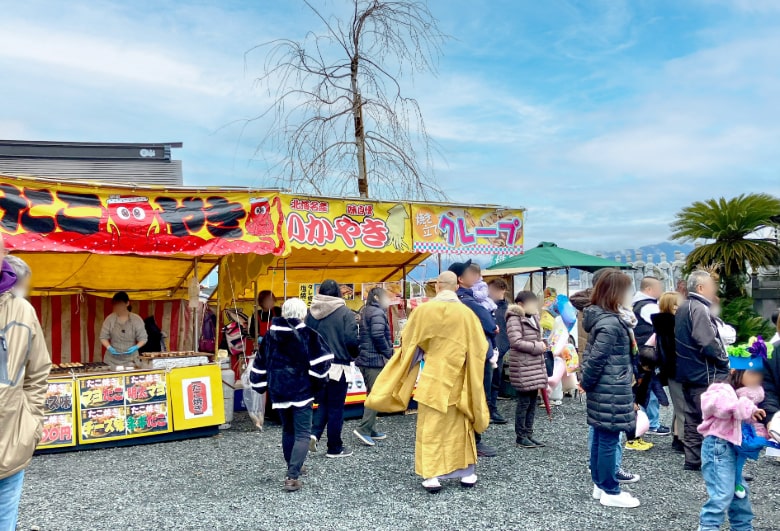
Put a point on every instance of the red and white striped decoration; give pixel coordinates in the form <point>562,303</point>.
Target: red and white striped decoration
<point>71,324</point>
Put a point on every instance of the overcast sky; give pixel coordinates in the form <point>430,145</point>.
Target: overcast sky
<point>603,118</point>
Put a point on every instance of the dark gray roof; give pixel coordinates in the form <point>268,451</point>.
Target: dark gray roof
<point>127,163</point>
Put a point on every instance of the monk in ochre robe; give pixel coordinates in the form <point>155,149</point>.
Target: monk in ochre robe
<point>450,392</point>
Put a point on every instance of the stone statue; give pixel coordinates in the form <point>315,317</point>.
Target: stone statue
<point>666,273</point>
<point>639,270</point>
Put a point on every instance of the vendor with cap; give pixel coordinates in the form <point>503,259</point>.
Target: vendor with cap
<point>467,277</point>
<point>123,333</point>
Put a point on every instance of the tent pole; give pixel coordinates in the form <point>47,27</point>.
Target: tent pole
<point>285,279</point>
<point>219,306</point>
<point>544,279</point>
<point>438,256</point>
<point>567,281</point>
<point>255,315</point>
<point>195,308</point>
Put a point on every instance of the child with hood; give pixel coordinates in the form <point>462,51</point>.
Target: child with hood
<point>481,291</point>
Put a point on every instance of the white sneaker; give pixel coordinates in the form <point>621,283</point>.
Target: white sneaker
<point>597,493</point>
<point>623,500</point>
<point>313,444</point>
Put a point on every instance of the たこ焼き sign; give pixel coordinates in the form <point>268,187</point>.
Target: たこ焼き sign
<point>47,216</point>
<point>444,229</point>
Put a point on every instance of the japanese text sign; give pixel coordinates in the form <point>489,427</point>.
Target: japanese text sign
<point>46,216</point>
<point>59,415</point>
<point>442,229</point>
<point>118,407</point>
<point>347,225</point>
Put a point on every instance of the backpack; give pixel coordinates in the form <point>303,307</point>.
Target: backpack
<point>208,332</point>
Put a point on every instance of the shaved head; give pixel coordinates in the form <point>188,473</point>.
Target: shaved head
<point>652,287</point>
<point>447,281</point>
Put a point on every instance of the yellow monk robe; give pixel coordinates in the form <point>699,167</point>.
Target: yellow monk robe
<point>450,392</point>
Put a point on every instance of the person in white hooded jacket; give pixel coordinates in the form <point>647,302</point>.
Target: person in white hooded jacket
<point>337,324</point>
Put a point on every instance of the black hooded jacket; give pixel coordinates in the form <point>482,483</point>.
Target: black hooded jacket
<point>607,372</point>
<point>292,364</point>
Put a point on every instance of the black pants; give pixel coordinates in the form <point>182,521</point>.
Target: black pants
<point>330,412</point>
<point>488,383</point>
<point>525,413</point>
<point>495,386</point>
<point>693,438</point>
<point>296,432</point>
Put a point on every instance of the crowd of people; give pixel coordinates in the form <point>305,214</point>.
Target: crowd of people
<point>634,346</point>
<point>451,360</point>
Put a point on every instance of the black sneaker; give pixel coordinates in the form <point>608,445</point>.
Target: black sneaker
<point>537,443</point>
<point>626,477</point>
<point>692,468</point>
<point>483,450</point>
<point>525,442</point>
<point>660,431</point>
<point>496,418</point>
<point>345,452</point>
<point>678,446</point>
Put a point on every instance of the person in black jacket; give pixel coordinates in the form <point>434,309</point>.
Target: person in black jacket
<point>292,365</point>
<point>701,358</point>
<point>337,324</point>
<point>663,324</point>
<point>497,289</point>
<point>771,403</point>
<point>376,347</point>
<point>467,277</point>
<point>607,378</point>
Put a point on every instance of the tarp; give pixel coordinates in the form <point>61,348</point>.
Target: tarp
<point>98,239</point>
<point>548,256</point>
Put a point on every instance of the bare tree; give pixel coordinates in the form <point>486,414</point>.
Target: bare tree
<point>338,113</point>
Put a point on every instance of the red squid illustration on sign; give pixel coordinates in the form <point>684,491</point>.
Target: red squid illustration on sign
<point>133,222</point>
<point>260,221</point>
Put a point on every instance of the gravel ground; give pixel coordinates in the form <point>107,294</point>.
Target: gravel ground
<point>233,481</point>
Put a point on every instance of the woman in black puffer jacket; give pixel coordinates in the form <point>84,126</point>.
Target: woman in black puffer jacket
<point>607,378</point>
<point>376,347</point>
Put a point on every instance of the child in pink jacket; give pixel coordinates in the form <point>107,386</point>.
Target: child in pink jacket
<point>723,413</point>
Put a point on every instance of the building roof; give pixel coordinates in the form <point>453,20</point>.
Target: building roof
<point>114,162</point>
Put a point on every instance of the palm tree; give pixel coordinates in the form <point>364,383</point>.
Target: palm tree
<point>727,226</point>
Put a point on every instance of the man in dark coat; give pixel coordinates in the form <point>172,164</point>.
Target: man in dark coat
<point>330,317</point>
<point>467,277</point>
<point>376,347</point>
<point>701,358</point>
<point>497,288</point>
<point>771,403</point>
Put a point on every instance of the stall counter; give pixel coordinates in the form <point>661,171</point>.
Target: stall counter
<point>131,407</point>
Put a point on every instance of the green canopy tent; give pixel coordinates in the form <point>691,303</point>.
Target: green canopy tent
<point>547,256</point>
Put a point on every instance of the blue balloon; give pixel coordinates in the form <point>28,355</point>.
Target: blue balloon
<point>567,311</point>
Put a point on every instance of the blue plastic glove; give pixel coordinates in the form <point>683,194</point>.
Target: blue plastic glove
<point>132,349</point>
<point>112,350</point>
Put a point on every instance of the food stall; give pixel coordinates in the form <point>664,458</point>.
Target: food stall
<point>86,241</point>
<point>362,244</point>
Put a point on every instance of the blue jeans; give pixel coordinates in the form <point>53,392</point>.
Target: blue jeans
<point>618,448</point>
<point>296,435</point>
<point>10,494</point>
<point>653,411</point>
<point>719,469</point>
<point>603,458</point>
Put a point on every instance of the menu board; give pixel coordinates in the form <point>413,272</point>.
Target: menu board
<point>122,406</point>
<point>59,415</point>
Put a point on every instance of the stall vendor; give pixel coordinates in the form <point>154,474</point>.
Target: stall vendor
<point>267,310</point>
<point>123,333</point>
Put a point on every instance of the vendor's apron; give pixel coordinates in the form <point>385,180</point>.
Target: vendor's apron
<point>122,337</point>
